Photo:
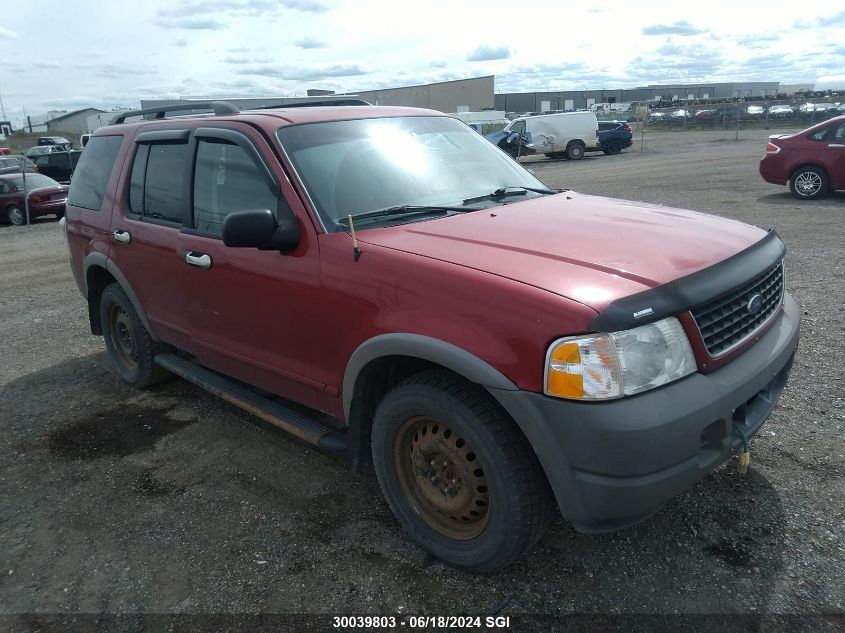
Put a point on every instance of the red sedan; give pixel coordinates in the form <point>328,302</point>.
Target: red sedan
<point>812,161</point>
<point>46,197</point>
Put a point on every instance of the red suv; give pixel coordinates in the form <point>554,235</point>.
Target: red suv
<point>812,161</point>
<point>485,344</point>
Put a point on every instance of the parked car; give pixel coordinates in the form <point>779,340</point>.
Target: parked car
<point>755,111</point>
<point>61,141</point>
<point>16,164</point>
<point>614,136</point>
<point>40,150</point>
<point>58,165</point>
<point>479,340</point>
<point>5,151</point>
<point>512,142</point>
<point>780,111</point>
<point>811,161</point>
<point>46,197</point>
<point>566,135</point>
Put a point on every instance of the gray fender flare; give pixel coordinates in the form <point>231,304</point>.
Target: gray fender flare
<point>427,348</point>
<point>98,259</point>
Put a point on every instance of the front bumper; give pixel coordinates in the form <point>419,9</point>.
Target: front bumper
<point>612,464</point>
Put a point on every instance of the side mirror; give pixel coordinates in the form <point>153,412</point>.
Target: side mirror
<point>258,228</point>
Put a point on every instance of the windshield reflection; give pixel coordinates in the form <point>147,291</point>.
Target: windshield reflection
<point>358,166</point>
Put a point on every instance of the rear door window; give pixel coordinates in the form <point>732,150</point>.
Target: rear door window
<point>88,187</point>
<point>157,183</point>
<point>226,180</point>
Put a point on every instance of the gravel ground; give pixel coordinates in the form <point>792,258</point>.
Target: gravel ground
<point>171,501</point>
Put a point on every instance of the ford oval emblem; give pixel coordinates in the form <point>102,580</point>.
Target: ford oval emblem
<point>754,304</point>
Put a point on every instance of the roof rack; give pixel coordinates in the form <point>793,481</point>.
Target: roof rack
<point>217,107</point>
<point>315,103</point>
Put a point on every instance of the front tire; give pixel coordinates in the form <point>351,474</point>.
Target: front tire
<point>809,183</point>
<point>457,473</point>
<point>131,348</point>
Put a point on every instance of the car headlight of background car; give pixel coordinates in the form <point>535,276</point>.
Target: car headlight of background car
<point>606,366</point>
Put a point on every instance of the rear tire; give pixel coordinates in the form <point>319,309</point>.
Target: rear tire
<point>457,473</point>
<point>809,183</point>
<point>575,151</point>
<point>614,146</point>
<point>131,348</point>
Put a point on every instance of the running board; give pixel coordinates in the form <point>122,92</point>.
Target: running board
<point>279,415</point>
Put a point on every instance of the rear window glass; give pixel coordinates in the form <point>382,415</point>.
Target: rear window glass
<point>33,181</point>
<point>88,187</point>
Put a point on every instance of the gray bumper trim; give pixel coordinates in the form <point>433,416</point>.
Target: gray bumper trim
<point>611,464</point>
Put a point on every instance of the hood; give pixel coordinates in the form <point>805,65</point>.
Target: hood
<point>587,248</point>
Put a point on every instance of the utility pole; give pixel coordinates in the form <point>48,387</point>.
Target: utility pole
<point>25,191</point>
<point>2,108</point>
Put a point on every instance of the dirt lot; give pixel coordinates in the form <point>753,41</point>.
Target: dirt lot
<point>172,501</point>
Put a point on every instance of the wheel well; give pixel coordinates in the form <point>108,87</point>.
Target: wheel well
<point>96,280</point>
<point>802,166</point>
<point>373,382</point>
<point>576,141</point>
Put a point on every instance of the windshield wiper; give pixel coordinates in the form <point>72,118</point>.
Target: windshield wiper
<point>404,210</point>
<point>504,192</point>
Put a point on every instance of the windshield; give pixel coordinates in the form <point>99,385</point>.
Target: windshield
<point>364,165</point>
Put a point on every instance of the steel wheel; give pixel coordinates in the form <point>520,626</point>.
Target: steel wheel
<point>808,183</point>
<point>124,343</point>
<point>16,216</point>
<point>440,473</point>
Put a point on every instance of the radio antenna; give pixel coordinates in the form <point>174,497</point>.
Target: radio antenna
<point>356,252</point>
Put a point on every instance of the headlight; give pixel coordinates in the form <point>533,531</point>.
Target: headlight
<point>604,366</point>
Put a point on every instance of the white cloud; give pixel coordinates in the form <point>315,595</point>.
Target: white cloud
<point>681,27</point>
<point>275,47</point>
<point>486,53</point>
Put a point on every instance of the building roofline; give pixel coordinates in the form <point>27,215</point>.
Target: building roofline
<point>433,83</point>
<point>69,114</point>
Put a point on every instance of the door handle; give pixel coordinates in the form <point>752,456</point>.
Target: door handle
<point>122,236</point>
<point>839,145</point>
<point>200,260</point>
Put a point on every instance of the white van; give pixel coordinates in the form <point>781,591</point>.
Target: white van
<point>565,135</point>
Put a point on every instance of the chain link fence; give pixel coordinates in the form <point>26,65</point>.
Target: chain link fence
<point>799,113</point>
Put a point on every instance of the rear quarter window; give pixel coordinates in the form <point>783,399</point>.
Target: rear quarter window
<point>88,187</point>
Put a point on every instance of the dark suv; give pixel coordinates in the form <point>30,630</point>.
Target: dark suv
<point>485,344</point>
<point>58,165</point>
<point>614,136</point>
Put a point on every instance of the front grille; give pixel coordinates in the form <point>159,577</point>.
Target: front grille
<point>726,322</point>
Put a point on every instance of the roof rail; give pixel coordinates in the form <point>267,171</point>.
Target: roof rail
<point>315,103</point>
<point>218,107</point>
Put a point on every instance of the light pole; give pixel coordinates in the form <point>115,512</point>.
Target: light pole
<point>25,196</point>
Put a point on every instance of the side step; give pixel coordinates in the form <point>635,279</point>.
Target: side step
<point>287,419</point>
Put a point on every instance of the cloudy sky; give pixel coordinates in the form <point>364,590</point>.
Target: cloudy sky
<point>61,54</point>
